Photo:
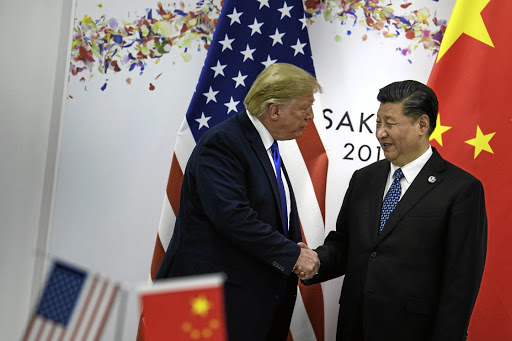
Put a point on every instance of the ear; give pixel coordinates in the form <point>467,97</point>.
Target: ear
<point>273,110</point>
<point>424,123</point>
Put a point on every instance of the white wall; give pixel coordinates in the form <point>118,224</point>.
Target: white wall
<point>31,81</point>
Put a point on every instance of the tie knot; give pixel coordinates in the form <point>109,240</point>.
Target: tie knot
<point>399,174</point>
<point>274,147</point>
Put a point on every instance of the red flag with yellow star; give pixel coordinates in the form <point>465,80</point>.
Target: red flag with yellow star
<point>472,79</point>
<point>186,308</point>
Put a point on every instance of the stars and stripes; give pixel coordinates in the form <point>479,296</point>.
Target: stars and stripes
<point>250,36</point>
<point>74,305</point>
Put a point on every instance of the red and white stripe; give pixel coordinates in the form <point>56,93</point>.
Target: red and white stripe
<point>306,162</point>
<point>88,319</point>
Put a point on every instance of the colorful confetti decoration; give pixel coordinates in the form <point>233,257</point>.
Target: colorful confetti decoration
<point>106,45</point>
<point>418,25</point>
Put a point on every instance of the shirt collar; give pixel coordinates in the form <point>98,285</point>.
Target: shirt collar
<point>265,136</point>
<point>412,169</point>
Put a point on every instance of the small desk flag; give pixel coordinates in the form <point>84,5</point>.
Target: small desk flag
<point>187,308</point>
<point>74,305</point>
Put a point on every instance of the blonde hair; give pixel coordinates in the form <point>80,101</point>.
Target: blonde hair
<point>279,84</point>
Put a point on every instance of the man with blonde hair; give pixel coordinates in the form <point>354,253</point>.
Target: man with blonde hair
<point>237,209</point>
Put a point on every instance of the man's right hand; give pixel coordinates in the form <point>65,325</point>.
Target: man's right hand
<point>307,264</point>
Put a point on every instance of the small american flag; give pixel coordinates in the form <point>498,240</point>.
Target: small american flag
<point>251,35</point>
<point>74,305</point>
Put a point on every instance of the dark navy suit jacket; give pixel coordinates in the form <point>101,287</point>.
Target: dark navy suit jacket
<point>419,278</point>
<point>230,221</point>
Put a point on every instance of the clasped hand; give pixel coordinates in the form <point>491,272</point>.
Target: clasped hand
<point>307,264</point>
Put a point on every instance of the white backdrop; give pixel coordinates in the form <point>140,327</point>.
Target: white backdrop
<point>33,63</point>
<point>116,144</point>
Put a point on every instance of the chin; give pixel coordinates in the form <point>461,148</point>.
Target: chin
<point>388,157</point>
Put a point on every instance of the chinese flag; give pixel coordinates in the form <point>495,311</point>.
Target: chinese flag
<point>187,308</point>
<point>472,78</point>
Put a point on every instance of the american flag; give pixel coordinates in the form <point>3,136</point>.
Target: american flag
<point>73,306</point>
<point>251,35</point>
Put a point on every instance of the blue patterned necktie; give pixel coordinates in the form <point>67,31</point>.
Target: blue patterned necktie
<point>391,199</point>
<point>277,162</point>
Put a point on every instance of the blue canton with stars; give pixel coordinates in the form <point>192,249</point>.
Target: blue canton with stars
<point>250,35</point>
<point>61,293</point>
<point>391,199</point>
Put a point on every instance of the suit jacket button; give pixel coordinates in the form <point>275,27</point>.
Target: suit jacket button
<point>373,254</point>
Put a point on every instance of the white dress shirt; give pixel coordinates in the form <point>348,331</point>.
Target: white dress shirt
<point>410,171</point>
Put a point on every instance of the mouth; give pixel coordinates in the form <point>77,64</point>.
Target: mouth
<point>385,146</point>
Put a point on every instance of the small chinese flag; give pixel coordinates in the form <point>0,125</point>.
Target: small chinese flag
<point>472,79</point>
<point>186,308</point>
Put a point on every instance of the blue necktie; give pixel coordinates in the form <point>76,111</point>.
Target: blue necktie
<point>277,162</point>
<point>391,199</point>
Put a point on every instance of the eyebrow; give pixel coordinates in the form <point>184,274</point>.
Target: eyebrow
<point>385,117</point>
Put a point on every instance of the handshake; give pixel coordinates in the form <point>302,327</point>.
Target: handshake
<point>307,264</point>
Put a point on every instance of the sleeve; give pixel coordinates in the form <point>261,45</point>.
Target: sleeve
<point>333,253</point>
<point>465,252</point>
<point>221,182</point>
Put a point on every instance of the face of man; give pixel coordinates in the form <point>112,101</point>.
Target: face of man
<point>401,139</point>
<point>291,119</point>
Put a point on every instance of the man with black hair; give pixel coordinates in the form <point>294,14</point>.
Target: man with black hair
<point>411,234</point>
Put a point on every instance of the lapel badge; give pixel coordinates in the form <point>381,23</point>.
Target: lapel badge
<point>432,179</point>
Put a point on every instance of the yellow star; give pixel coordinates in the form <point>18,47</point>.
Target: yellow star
<point>465,18</point>
<point>481,142</point>
<point>201,305</point>
<point>437,134</point>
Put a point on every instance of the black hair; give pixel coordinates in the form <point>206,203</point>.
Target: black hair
<point>416,99</point>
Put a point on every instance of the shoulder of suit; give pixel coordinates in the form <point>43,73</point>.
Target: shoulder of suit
<point>373,167</point>
<point>228,130</point>
<point>454,175</point>
<point>457,172</point>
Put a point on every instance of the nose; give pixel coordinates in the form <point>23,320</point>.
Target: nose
<point>380,132</point>
<point>310,115</point>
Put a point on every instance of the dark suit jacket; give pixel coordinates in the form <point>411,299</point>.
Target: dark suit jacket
<point>418,279</point>
<point>230,221</point>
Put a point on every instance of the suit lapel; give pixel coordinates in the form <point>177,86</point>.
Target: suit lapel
<point>378,183</point>
<point>419,188</point>
<point>255,140</point>
<point>294,233</point>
